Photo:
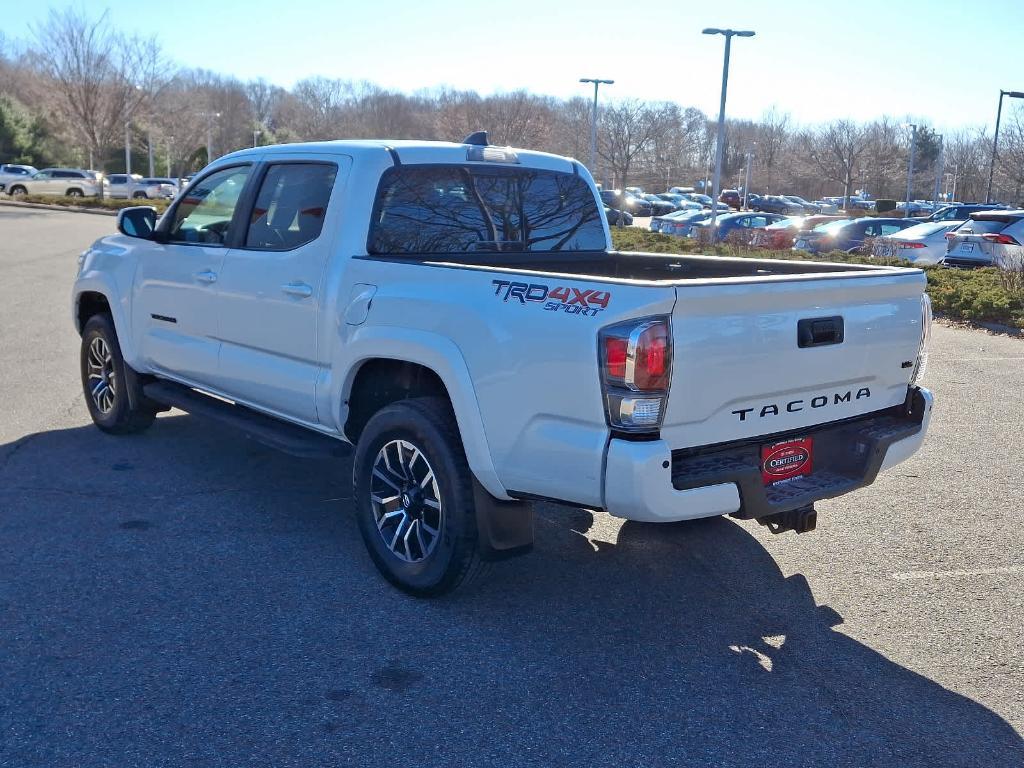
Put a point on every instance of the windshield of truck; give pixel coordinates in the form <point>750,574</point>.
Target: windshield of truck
<point>453,208</point>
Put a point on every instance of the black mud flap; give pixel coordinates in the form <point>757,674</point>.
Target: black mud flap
<point>505,527</point>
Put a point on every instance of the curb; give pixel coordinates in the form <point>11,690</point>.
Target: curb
<point>69,208</point>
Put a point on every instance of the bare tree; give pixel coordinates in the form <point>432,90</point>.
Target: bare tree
<point>627,129</point>
<point>99,76</point>
<point>836,150</point>
<point>772,134</point>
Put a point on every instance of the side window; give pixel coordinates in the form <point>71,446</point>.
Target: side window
<point>871,230</point>
<point>204,214</point>
<point>888,229</point>
<point>291,205</point>
<point>42,175</point>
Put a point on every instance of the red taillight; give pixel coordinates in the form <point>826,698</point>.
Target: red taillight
<point>950,235</point>
<point>636,368</point>
<point>1000,238</point>
<point>615,356</point>
<point>911,245</point>
<point>650,371</point>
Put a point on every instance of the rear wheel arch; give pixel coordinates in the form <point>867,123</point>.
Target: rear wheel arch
<point>380,382</point>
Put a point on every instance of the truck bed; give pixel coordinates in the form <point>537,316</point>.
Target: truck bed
<point>651,267</point>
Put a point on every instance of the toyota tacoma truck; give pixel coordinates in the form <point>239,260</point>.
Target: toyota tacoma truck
<point>456,312</point>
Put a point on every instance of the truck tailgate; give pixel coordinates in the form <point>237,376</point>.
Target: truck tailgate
<point>739,370</point>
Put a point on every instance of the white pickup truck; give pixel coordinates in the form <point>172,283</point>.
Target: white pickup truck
<point>456,312</point>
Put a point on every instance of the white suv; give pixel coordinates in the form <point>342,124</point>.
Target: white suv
<point>69,182</point>
<point>121,185</point>
<point>11,172</point>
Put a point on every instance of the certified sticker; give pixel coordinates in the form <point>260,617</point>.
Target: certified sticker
<point>786,460</point>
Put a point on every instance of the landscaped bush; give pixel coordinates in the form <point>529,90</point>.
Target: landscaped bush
<point>92,202</point>
<point>958,294</point>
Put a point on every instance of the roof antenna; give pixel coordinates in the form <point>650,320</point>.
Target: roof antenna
<point>477,137</point>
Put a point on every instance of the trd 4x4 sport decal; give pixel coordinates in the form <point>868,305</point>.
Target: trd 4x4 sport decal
<point>572,301</point>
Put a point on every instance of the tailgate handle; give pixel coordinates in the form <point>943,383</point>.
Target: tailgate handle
<point>819,331</point>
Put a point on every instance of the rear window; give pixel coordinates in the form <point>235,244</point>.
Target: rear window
<point>449,209</point>
<point>983,226</point>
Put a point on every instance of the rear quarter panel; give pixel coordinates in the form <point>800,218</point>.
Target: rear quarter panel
<point>532,364</point>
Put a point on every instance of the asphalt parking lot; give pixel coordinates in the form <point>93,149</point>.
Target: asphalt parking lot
<point>186,597</point>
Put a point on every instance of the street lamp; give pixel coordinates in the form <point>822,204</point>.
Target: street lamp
<point>941,164</point>
<point>211,116</point>
<point>593,120</point>
<point>728,34</point>
<point>995,139</point>
<point>746,182</point>
<point>910,165</point>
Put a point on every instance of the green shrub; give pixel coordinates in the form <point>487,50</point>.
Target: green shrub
<point>92,202</point>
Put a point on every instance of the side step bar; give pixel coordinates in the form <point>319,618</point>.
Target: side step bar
<point>271,432</point>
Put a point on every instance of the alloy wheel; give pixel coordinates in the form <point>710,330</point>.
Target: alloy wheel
<point>102,377</point>
<point>406,501</point>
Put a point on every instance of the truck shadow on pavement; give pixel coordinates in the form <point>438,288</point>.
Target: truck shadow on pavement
<point>188,597</point>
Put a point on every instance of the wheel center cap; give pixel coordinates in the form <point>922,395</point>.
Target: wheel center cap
<point>406,500</point>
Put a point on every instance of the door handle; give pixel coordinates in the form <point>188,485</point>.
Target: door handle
<point>301,290</point>
<point>206,276</point>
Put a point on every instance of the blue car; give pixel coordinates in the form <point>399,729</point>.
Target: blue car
<point>732,223</point>
<point>849,235</point>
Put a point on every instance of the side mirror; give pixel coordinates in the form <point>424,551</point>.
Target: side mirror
<point>138,221</point>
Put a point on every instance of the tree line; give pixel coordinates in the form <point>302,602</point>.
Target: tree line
<point>77,84</point>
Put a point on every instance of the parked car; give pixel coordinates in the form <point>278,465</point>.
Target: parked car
<point>987,238</point>
<point>809,208</point>
<point>617,217</point>
<point>781,234</point>
<point>681,202</point>
<point>659,207</point>
<point>849,235</point>
<point>467,386</point>
<point>962,211</point>
<point>916,208</point>
<point>923,243</point>
<point>735,225</point>
<point>731,197</point>
<point>635,191</point>
<point>780,205</point>
<point>658,223</point>
<point>697,197</point>
<point>11,173</point>
<point>827,208</point>
<point>69,182</point>
<point>681,190</point>
<point>170,182</point>
<point>679,226</point>
<point>613,198</point>
<point>118,186</point>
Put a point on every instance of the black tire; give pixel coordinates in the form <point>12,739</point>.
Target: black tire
<point>140,196</point>
<point>73,193</point>
<point>428,424</point>
<point>115,414</point>
<point>17,191</point>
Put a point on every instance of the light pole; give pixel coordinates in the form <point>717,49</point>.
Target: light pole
<point>941,164</point>
<point>746,182</point>
<point>593,120</point>
<point>910,166</point>
<point>210,117</point>
<point>728,34</point>
<point>995,139</point>
<point>255,134</point>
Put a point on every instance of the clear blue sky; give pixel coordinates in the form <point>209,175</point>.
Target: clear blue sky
<point>940,61</point>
